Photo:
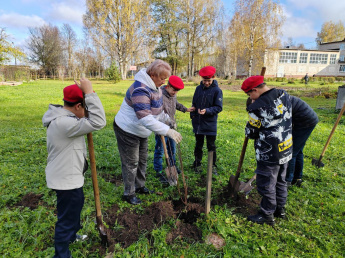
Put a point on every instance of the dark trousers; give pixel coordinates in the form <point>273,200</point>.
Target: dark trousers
<point>133,153</point>
<point>295,167</point>
<point>69,206</point>
<point>271,184</point>
<point>211,146</point>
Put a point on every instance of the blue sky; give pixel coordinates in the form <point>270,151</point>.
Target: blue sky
<point>303,17</point>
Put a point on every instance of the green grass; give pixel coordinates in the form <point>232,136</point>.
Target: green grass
<point>315,226</point>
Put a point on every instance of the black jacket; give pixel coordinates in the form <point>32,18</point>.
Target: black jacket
<point>270,125</point>
<point>211,99</point>
<point>303,116</point>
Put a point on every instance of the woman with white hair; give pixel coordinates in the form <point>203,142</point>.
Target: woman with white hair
<point>140,114</point>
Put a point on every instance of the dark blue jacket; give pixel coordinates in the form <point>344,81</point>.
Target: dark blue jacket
<point>211,99</point>
<point>270,124</point>
<point>303,116</point>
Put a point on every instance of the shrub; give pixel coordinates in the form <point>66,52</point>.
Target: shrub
<point>112,73</point>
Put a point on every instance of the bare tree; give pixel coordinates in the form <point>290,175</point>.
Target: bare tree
<point>119,26</point>
<point>259,22</point>
<point>45,48</point>
<point>69,39</point>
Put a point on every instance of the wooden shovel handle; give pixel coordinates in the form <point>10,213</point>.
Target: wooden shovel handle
<point>243,153</point>
<point>332,132</point>
<point>94,174</point>
<point>165,150</point>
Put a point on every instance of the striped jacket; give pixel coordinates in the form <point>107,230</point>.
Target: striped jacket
<point>141,112</point>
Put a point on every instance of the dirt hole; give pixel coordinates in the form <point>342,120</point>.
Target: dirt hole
<point>30,200</point>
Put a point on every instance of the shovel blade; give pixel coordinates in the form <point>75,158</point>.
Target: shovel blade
<point>172,175</point>
<point>234,185</point>
<point>318,163</point>
<point>246,188</point>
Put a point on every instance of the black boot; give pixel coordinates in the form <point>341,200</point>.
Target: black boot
<point>261,218</point>
<point>279,213</point>
<point>132,199</point>
<point>144,190</point>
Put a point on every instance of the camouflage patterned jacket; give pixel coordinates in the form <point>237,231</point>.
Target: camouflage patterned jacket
<point>270,124</point>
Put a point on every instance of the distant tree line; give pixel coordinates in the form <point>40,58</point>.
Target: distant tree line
<point>118,34</point>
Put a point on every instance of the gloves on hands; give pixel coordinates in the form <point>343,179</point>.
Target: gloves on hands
<point>176,136</point>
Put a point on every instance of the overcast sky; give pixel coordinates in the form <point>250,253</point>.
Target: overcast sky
<point>303,17</point>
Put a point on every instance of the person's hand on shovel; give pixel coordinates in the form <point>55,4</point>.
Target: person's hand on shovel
<point>176,136</point>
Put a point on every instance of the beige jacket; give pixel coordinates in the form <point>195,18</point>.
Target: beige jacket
<point>66,142</point>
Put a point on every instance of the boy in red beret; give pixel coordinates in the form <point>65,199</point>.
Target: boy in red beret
<point>208,102</point>
<point>170,105</point>
<point>270,125</point>
<point>66,164</point>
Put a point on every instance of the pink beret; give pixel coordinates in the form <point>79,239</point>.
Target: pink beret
<point>176,82</point>
<point>252,82</point>
<point>207,72</point>
<point>73,94</point>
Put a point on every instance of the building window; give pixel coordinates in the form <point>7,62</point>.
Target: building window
<point>318,58</point>
<point>342,68</point>
<point>288,57</point>
<point>332,59</point>
<point>342,46</point>
<point>303,57</point>
<point>342,58</point>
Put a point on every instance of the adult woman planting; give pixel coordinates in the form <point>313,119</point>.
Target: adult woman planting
<point>140,114</point>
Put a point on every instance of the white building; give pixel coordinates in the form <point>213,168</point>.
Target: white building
<point>328,60</point>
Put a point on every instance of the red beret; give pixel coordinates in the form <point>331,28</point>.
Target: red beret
<point>73,94</point>
<point>207,72</point>
<point>252,82</point>
<point>176,82</point>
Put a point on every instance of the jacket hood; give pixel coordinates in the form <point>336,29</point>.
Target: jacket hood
<point>144,78</point>
<point>54,112</point>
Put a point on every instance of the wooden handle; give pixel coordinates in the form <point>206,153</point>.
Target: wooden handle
<point>263,71</point>
<point>332,132</point>
<point>94,174</point>
<point>209,182</point>
<point>243,153</point>
<point>165,150</point>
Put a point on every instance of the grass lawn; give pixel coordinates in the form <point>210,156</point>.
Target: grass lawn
<point>315,222</point>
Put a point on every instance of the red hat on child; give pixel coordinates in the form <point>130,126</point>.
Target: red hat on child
<point>73,94</point>
<point>176,82</point>
<point>252,82</point>
<point>207,72</point>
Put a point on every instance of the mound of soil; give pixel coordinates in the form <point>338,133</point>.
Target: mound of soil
<point>243,204</point>
<point>30,200</point>
<point>125,227</point>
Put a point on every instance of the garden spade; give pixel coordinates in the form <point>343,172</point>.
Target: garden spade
<point>99,220</point>
<point>170,170</point>
<point>235,185</point>
<point>317,162</point>
<point>247,187</point>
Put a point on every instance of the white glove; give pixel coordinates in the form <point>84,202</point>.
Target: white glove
<point>176,136</point>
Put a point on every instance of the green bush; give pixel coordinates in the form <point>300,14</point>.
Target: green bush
<point>112,73</point>
<point>339,79</point>
<point>281,79</point>
<point>291,80</point>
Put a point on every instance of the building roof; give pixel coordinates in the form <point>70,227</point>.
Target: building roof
<point>333,42</point>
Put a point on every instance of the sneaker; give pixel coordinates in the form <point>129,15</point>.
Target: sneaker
<point>81,238</point>
<point>261,218</point>
<point>299,183</point>
<point>164,181</point>
<point>178,170</point>
<point>214,171</point>
<point>198,169</point>
<point>279,212</point>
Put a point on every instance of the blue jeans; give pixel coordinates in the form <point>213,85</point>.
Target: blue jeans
<point>69,206</point>
<point>295,167</point>
<point>159,152</point>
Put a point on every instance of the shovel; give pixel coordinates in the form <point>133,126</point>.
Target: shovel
<point>247,187</point>
<point>170,171</point>
<point>99,220</point>
<point>234,185</point>
<point>317,162</point>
